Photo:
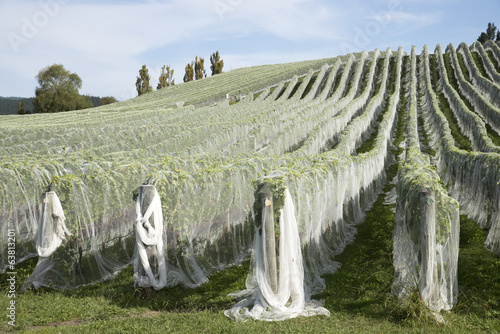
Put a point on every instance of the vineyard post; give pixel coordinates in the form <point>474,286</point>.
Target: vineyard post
<point>428,243</point>
<point>269,244</point>
<point>46,212</point>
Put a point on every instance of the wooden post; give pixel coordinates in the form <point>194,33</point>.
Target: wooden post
<point>428,242</point>
<point>46,212</point>
<point>147,193</point>
<point>269,244</point>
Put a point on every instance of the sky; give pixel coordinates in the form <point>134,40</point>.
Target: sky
<point>107,42</point>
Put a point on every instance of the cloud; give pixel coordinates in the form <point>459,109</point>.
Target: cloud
<point>409,22</point>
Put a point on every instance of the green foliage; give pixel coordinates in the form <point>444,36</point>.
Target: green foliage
<point>217,63</point>
<point>199,68</point>
<point>58,91</point>
<point>166,77</point>
<point>107,100</point>
<point>142,83</point>
<point>20,108</point>
<point>8,105</point>
<point>490,34</point>
<point>189,72</point>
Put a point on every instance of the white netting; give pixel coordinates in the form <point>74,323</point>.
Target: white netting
<point>470,123</point>
<point>472,178</point>
<point>488,65</point>
<point>204,159</point>
<point>426,230</point>
<point>484,108</point>
<point>490,89</point>
<point>260,301</point>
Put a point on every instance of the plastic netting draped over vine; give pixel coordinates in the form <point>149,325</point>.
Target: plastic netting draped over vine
<point>426,230</point>
<point>320,130</point>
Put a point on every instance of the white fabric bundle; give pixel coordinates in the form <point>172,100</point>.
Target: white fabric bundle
<point>52,230</point>
<point>149,237</point>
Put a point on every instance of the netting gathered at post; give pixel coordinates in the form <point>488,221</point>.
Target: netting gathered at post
<point>52,230</point>
<point>149,264</point>
<point>275,284</point>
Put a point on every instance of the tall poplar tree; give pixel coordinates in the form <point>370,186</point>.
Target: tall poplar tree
<point>166,77</point>
<point>217,63</point>
<point>189,74</point>
<point>491,33</point>
<point>199,68</point>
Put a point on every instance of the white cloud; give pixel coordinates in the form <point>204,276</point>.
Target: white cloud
<point>409,21</point>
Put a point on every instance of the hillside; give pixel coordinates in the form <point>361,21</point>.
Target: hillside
<point>324,140</point>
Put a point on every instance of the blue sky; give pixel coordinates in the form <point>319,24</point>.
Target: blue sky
<point>107,42</point>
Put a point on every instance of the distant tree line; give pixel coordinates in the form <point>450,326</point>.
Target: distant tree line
<point>491,33</point>
<point>9,105</point>
<point>194,70</point>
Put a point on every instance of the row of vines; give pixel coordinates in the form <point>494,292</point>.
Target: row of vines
<point>317,135</point>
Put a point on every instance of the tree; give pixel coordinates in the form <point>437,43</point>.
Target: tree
<point>142,83</point>
<point>491,33</point>
<point>166,77</point>
<point>199,68</point>
<point>482,38</point>
<point>107,100</point>
<point>189,75</point>
<point>58,91</point>
<point>20,108</point>
<point>491,30</point>
<point>498,36</point>
<point>217,63</point>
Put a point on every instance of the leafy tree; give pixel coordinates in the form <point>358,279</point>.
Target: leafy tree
<point>482,38</point>
<point>491,30</point>
<point>166,77</point>
<point>142,83</point>
<point>58,91</point>
<point>491,33</point>
<point>20,108</point>
<point>217,63</point>
<point>189,75</point>
<point>199,68</point>
<point>107,100</point>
